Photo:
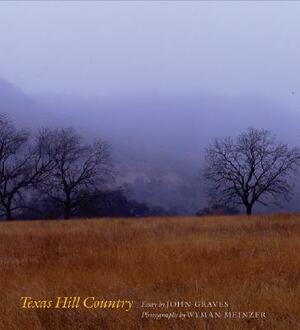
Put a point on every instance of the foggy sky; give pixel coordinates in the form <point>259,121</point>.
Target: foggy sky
<point>227,48</point>
<point>157,79</point>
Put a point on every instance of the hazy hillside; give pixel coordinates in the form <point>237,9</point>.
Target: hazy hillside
<point>157,139</point>
<point>21,107</point>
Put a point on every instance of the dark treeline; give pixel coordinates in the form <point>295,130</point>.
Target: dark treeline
<point>55,173</point>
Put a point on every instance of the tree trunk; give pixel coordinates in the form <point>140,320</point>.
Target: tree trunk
<point>7,206</point>
<point>8,214</point>
<point>67,212</point>
<point>67,207</point>
<point>248,210</point>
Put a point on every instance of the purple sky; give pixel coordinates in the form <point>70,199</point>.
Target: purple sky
<point>226,48</point>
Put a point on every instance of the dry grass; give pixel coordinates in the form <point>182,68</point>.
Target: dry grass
<point>253,263</point>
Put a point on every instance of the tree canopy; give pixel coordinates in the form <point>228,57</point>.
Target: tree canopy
<point>253,168</point>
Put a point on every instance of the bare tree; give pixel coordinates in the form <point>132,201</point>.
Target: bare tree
<point>79,170</point>
<point>254,168</point>
<point>22,166</point>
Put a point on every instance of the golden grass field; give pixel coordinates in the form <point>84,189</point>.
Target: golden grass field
<point>251,262</point>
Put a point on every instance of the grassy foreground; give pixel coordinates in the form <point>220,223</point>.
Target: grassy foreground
<point>251,263</point>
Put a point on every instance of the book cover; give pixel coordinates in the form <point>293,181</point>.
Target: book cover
<point>149,165</point>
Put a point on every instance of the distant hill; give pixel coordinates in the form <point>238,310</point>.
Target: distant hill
<point>22,108</point>
<point>157,139</point>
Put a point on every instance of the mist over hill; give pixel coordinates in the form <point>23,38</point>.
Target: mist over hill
<point>158,139</point>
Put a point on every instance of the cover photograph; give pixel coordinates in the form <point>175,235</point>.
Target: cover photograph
<point>149,165</point>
